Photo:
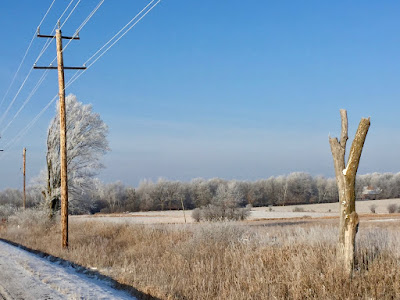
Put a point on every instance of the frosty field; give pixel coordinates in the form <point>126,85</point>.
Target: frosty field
<point>325,210</point>
<point>277,254</point>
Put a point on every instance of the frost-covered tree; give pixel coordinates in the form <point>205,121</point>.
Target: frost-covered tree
<point>86,144</point>
<point>300,188</point>
<point>201,192</point>
<point>111,195</point>
<point>144,192</point>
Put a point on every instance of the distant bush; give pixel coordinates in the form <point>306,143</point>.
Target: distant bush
<point>372,208</point>
<point>298,209</point>
<point>6,211</point>
<point>213,212</point>
<point>392,208</point>
<point>196,214</point>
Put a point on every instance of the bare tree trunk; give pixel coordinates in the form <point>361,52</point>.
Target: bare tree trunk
<point>346,178</point>
<point>183,208</point>
<point>48,192</point>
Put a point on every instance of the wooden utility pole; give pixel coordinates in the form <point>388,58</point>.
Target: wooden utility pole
<point>24,172</point>
<point>63,142</point>
<point>346,179</point>
<point>63,132</point>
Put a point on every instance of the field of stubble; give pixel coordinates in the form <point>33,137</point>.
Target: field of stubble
<point>262,258</point>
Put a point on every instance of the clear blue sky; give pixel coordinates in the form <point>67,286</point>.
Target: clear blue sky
<point>232,89</point>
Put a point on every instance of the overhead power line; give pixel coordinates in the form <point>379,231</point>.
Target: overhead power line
<point>40,81</point>
<point>115,35</point>
<point>40,54</point>
<point>72,11</point>
<point>15,97</point>
<point>38,84</point>
<point>26,53</point>
<point>75,76</point>
<point>48,42</point>
<point>89,16</point>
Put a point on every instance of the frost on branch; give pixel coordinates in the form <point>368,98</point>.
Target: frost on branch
<point>86,144</point>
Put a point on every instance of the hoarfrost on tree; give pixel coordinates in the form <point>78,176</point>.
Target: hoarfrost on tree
<point>86,144</point>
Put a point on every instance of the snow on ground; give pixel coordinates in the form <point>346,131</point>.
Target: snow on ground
<point>257,213</point>
<point>24,275</point>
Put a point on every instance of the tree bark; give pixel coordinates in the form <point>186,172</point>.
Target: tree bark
<point>346,178</point>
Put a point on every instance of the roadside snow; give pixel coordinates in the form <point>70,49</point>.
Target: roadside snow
<point>24,275</point>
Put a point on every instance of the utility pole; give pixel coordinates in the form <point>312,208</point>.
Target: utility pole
<point>63,132</point>
<point>24,155</point>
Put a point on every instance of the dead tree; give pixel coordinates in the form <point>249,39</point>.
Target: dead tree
<point>346,179</point>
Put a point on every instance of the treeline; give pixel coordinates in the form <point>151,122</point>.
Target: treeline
<point>295,188</point>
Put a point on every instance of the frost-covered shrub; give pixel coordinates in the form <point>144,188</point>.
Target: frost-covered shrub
<point>213,212</point>
<point>6,211</point>
<point>298,209</point>
<point>392,208</point>
<point>196,214</point>
<point>372,208</point>
<point>31,217</point>
<point>226,205</point>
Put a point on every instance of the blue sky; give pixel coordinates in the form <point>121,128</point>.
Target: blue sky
<point>232,89</point>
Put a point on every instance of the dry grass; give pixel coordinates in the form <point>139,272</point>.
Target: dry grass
<point>227,260</point>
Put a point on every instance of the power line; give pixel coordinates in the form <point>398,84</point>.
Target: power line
<point>72,11</point>
<point>15,97</point>
<point>27,76</point>
<point>26,101</point>
<point>26,53</point>
<point>89,16</point>
<point>81,26</point>
<point>74,77</point>
<point>29,126</point>
<point>48,42</point>
<point>133,19</point>
<point>45,73</point>
<point>133,25</point>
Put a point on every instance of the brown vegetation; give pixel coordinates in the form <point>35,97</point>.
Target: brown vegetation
<point>226,260</point>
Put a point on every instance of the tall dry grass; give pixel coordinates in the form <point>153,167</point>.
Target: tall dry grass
<point>226,260</point>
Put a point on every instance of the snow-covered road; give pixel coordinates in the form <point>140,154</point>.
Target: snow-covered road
<point>24,275</point>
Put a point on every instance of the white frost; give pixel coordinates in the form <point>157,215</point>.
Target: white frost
<point>24,275</point>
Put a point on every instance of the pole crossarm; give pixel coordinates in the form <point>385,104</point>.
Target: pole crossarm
<point>55,68</point>
<point>63,37</point>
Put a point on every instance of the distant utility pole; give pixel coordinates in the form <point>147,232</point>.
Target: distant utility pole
<point>24,155</point>
<point>63,131</point>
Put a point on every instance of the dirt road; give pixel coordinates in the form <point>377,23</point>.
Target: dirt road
<point>24,275</point>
